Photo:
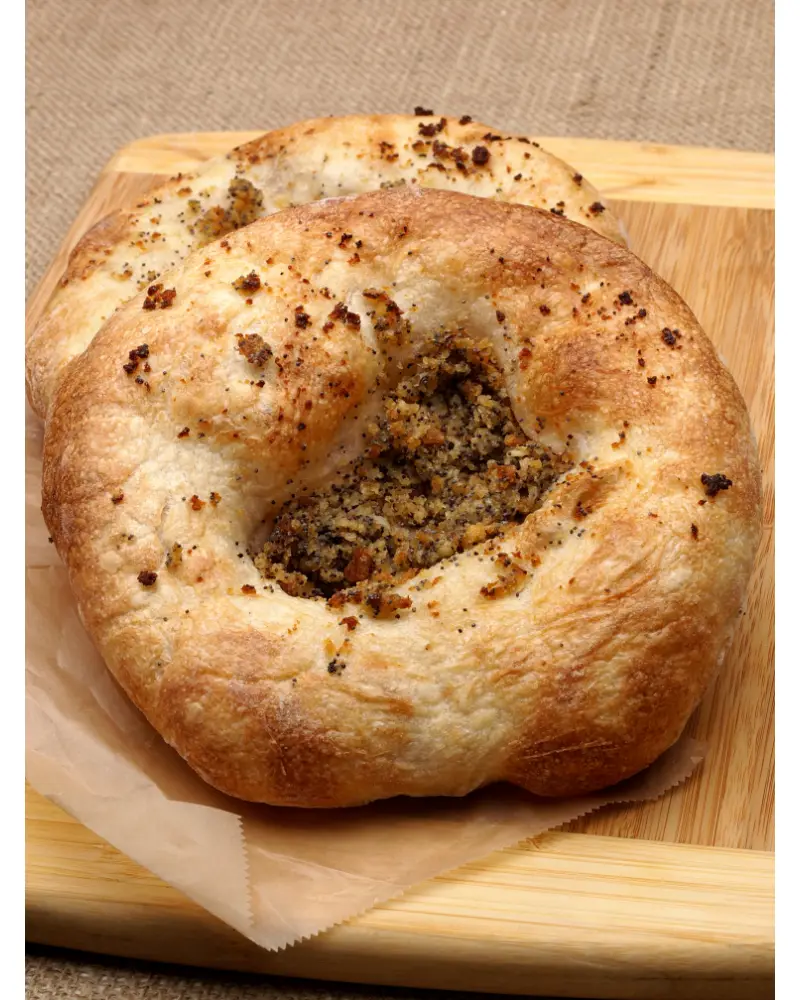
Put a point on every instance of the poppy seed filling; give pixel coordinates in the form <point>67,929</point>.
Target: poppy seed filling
<point>446,467</point>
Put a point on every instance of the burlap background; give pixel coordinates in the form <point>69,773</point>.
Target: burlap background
<point>101,73</point>
<point>104,72</point>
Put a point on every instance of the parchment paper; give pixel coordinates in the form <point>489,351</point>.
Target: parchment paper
<point>276,875</point>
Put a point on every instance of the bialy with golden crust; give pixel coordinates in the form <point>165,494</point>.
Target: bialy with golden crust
<point>563,653</point>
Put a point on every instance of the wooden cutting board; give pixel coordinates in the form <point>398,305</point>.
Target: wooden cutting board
<point>664,899</point>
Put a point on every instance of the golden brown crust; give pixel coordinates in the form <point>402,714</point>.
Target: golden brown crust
<point>573,675</point>
<point>320,158</point>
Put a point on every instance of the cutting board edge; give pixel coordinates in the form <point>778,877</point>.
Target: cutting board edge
<point>711,911</point>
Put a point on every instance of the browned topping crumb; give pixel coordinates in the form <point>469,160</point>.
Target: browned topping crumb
<point>247,283</point>
<point>597,207</point>
<point>387,316</point>
<point>465,119</point>
<point>117,498</point>
<point>641,362</point>
<point>244,205</point>
<point>196,502</point>
<point>301,318</point>
<point>385,604</point>
<point>336,666</point>
<point>147,577</point>
<point>351,622</point>
<point>695,532</point>
<point>420,112</point>
<point>214,498</point>
<point>340,312</point>
<point>248,588</point>
<point>254,348</point>
<point>714,483</point>
<point>174,556</point>
<point>388,152</point>
<point>480,156</point>
<point>652,379</point>
<point>446,467</point>
<point>578,178</point>
<point>135,356</point>
<point>430,130</point>
<point>670,337</point>
<point>346,237</point>
<point>159,297</point>
<point>338,600</point>
<point>359,567</point>
<point>500,315</point>
<point>625,299</point>
<point>184,433</point>
<point>544,310</point>
<point>507,582</point>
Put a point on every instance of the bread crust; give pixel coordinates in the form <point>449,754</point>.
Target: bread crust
<point>128,250</point>
<point>632,574</point>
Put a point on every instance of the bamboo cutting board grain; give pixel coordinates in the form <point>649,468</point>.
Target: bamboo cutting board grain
<point>683,905</point>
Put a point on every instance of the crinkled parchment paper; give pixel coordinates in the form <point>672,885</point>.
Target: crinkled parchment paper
<point>276,875</point>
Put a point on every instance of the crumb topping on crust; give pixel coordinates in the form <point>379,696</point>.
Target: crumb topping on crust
<point>446,466</point>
